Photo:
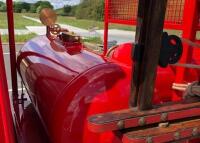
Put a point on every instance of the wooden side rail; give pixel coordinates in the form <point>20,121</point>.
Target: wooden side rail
<point>132,118</point>
<point>176,132</point>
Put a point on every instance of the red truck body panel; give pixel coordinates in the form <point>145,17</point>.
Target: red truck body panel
<point>66,89</point>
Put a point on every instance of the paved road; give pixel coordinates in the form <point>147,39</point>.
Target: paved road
<point>17,31</point>
<point>7,64</point>
<point>121,36</point>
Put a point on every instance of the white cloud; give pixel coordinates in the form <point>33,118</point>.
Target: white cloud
<point>55,3</point>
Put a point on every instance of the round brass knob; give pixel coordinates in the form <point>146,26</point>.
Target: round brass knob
<point>48,16</point>
<point>55,29</point>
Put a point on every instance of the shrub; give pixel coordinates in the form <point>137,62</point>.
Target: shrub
<point>19,6</point>
<point>33,9</point>
<point>43,4</point>
<point>3,8</point>
<point>27,7</point>
<point>23,11</point>
<point>67,9</point>
<point>89,9</point>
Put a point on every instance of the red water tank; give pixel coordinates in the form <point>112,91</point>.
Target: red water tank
<point>68,88</point>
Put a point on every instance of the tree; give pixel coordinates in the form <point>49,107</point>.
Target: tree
<point>37,4</point>
<point>39,8</point>
<point>67,9</point>
<point>26,6</point>
<point>43,4</point>
<point>23,11</point>
<point>46,4</point>
<point>99,10</point>
<point>33,9</point>
<point>18,7</point>
<point>89,9</point>
<point>2,3</point>
<point>73,10</point>
<point>3,8</point>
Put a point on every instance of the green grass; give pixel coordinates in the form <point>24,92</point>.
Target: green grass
<point>20,22</point>
<point>94,40</point>
<point>18,38</point>
<point>59,11</point>
<point>85,24</point>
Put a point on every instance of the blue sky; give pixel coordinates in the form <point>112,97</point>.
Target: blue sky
<point>55,3</point>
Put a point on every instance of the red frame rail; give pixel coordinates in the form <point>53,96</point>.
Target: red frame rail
<point>125,12</point>
<point>181,15</point>
<point>12,48</point>
<point>7,129</point>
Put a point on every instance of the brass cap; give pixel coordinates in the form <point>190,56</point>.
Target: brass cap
<point>48,16</point>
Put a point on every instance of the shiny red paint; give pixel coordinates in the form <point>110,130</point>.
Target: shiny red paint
<point>66,89</point>
<point>6,122</point>
<point>30,129</point>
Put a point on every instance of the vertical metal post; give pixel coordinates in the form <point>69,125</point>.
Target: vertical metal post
<point>190,23</point>
<point>149,31</point>
<point>12,49</point>
<point>5,109</point>
<point>13,65</point>
<point>106,27</point>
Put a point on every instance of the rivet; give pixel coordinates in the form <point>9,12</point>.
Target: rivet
<point>176,135</point>
<point>142,121</point>
<point>149,140</point>
<point>99,116</point>
<point>120,125</point>
<point>164,117</point>
<point>195,132</point>
<point>163,125</point>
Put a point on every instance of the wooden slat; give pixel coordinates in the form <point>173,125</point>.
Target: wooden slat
<point>149,34</point>
<point>173,133</point>
<point>130,118</point>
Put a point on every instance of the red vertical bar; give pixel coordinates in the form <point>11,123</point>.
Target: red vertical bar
<point>190,22</point>
<point>106,27</point>
<point>12,48</point>
<point>5,108</point>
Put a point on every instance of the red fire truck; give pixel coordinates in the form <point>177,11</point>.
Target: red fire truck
<point>142,92</point>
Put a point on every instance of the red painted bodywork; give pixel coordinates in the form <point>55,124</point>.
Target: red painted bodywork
<point>6,124</point>
<point>66,89</point>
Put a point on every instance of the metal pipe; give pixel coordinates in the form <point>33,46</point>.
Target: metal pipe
<point>13,65</point>
<point>12,49</point>
<point>105,47</point>
<point>190,66</point>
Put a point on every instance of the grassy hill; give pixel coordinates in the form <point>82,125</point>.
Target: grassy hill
<point>59,11</point>
<point>20,22</point>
